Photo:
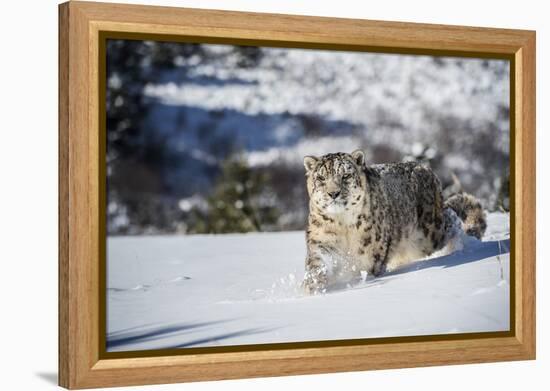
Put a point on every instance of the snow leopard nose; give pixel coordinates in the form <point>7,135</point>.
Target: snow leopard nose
<point>334,194</point>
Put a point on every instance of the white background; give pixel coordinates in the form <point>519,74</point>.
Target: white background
<point>28,195</point>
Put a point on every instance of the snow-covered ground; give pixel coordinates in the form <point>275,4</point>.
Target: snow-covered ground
<point>235,289</point>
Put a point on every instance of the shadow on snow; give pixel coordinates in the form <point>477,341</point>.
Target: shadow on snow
<point>472,253</point>
<point>136,335</point>
<point>221,337</point>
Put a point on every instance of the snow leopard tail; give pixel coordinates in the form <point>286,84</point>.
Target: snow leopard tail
<point>469,210</point>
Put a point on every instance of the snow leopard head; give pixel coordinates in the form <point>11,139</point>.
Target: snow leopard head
<point>336,181</point>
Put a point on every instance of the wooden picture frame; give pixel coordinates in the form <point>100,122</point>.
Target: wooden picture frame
<point>82,28</point>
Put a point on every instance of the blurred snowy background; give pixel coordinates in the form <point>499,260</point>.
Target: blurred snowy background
<point>210,138</point>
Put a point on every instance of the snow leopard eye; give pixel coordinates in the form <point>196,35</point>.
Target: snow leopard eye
<point>320,178</point>
<point>346,177</point>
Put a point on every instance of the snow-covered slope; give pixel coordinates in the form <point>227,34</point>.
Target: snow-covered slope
<point>301,81</point>
<point>215,290</point>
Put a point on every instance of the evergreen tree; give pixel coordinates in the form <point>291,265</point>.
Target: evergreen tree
<point>240,201</point>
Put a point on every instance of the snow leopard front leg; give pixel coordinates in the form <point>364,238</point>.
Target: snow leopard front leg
<point>316,275</point>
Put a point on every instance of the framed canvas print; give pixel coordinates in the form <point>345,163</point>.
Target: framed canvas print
<point>248,195</point>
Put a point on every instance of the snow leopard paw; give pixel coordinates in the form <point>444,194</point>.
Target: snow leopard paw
<point>314,283</point>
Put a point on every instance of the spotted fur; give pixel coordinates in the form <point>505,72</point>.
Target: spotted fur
<point>375,218</point>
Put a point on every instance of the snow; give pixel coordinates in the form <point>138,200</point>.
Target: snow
<point>236,289</point>
<point>355,88</point>
<point>279,84</point>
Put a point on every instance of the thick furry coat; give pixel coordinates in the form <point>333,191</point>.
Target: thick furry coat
<point>374,218</point>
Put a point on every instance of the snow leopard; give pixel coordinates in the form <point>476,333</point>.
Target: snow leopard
<point>374,218</point>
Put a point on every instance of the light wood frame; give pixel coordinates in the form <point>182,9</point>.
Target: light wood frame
<point>81,364</point>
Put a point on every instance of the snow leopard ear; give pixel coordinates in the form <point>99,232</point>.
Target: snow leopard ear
<point>309,163</point>
<point>359,157</point>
